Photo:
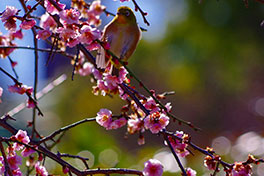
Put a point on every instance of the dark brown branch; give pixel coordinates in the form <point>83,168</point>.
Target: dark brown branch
<point>174,153</point>
<point>51,136</point>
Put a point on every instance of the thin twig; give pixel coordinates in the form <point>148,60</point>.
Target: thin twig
<point>141,11</point>
<point>12,66</point>
<point>40,94</point>
<point>51,136</point>
<point>83,159</point>
<point>174,153</point>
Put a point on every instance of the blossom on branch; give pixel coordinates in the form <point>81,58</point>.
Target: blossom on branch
<point>27,24</point>
<point>20,89</point>
<point>69,16</point>
<point>153,167</point>
<point>51,9</point>
<point>104,117</point>
<point>43,34</point>
<point>47,22</point>
<point>22,137</point>
<point>9,19</point>
<point>156,122</point>
<point>240,169</point>
<point>190,172</point>
<point>180,146</point>
<point>41,170</point>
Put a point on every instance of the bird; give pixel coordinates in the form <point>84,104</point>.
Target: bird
<point>122,35</point>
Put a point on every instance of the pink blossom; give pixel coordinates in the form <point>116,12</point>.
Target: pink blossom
<point>86,69</point>
<point>8,18</point>
<point>93,19</point>
<point>2,165</point>
<point>122,75</point>
<point>17,172</point>
<point>47,22</point>
<point>96,8</point>
<point>89,34</point>
<point>104,117</point>
<point>97,74</point>
<point>151,105</point>
<point>1,92</point>
<point>17,34</point>
<point>102,86</point>
<point>51,9</point>
<point>14,161</point>
<point>135,125</point>
<point>179,146</point>
<point>69,16</point>
<point>5,42</point>
<point>210,163</point>
<point>31,103</point>
<point>27,24</point>
<point>70,36</point>
<point>111,81</point>
<point>22,136</point>
<point>156,122</point>
<point>27,151</point>
<point>93,46</point>
<point>117,123</point>
<point>190,172</point>
<point>20,89</point>
<point>153,167</point>
<point>122,94</point>
<point>43,34</point>
<point>41,170</point>
<point>240,169</point>
<point>168,107</point>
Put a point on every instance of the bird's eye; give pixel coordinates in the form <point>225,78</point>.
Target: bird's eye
<point>127,13</point>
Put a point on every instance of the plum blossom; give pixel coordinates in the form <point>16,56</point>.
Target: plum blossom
<point>69,16</point>
<point>190,172</point>
<point>27,151</point>
<point>96,8</point>
<point>87,69</point>
<point>5,41</point>
<point>240,169</point>
<point>43,34</point>
<point>210,163</point>
<point>117,123</point>
<point>27,24</point>
<point>31,103</point>
<point>89,34</point>
<point>21,136</point>
<point>14,161</point>
<point>180,146</point>
<point>51,9</point>
<point>153,167</point>
<point>9,19</point>
<point>1,92</point>
<point>17,34</point>
<point>104,117</point>
<point>151,105</point>
<point>135,124</point>
<point>47,22</point>
<point>156,122</point>
<point>68,35</point>
<point>20,89</point>
<point>41,170</point>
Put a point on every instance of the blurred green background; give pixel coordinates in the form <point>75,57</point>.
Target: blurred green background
<point>211,54</point>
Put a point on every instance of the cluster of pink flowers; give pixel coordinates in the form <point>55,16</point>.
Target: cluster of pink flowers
<point>153,167</point>
<point>107,83</point>
<point>14,160</point>
<point>180,146</point>
<point>9,18</point>
<point>22,89</point>
<point>240,169</point>
<point>104,118</point>
<point>7,41</point>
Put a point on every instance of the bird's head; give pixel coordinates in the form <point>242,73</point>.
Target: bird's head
<point>125,15</point>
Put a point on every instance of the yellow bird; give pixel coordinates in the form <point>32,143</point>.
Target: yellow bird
<point>122,34</point>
